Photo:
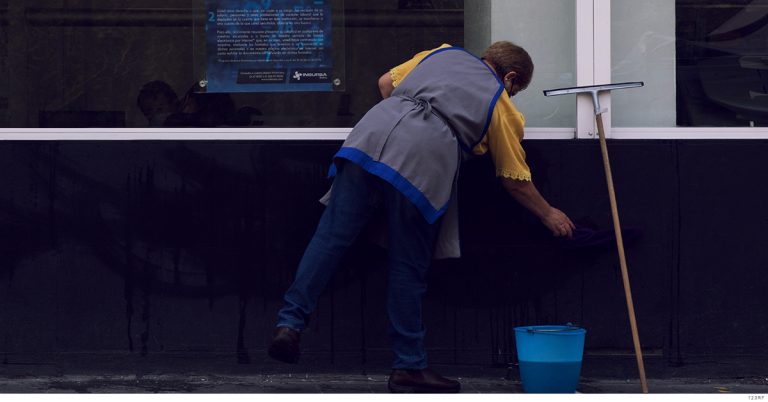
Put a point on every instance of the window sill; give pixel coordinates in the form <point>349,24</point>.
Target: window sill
<point>340,133</point>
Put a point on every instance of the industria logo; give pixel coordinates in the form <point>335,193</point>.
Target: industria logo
<point>310,76</point>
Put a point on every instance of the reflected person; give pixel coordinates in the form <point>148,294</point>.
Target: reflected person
<point>157,101</point>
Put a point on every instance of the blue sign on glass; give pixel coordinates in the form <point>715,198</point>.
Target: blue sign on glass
<point>269,45</point>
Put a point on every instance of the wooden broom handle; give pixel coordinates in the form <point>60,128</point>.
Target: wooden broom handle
<point>622,258</point>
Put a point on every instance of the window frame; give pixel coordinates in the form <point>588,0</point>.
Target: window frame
<point>593,66</point>
<point>265,134</point>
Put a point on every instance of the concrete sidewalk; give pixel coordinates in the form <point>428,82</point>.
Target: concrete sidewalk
<point>325,382</point>
<point>202,372</point>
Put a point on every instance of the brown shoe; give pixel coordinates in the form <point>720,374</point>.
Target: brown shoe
<point>285,345</point>
<point>421,381</point>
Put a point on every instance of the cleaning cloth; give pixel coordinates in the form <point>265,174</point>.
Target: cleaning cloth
<point>585,237</point>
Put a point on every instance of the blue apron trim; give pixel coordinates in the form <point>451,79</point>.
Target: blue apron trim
<point>390,175</point>
<point>491,107</point>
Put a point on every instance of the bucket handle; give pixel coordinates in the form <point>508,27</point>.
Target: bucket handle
<point>570,327</point>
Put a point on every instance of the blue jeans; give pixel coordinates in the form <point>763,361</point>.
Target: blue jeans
<point>358,195</point>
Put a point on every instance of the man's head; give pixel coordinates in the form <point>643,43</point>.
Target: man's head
<point>512,63</point>
<point>157,100</point>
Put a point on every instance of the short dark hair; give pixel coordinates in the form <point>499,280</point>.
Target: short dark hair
<point>156,89</point>
<point>506,57</point>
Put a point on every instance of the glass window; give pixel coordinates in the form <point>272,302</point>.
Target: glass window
<point>704,63</point>
<point>643,49</point>
<point>546,29</point>
<point>142,63</point>
<point>136,63</point>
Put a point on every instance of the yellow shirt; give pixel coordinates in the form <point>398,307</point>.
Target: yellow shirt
<point>504,133</point>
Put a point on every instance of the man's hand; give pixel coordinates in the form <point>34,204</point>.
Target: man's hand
<point>385,85</point>
<point>527,195</point>
<point>558,222</point>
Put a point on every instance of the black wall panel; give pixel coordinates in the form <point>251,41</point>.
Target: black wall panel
<point>153,247</point>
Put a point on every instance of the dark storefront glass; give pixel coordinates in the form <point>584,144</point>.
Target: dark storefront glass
<point>704,63</point>
<point>722,63</point>
<point>84,63</point>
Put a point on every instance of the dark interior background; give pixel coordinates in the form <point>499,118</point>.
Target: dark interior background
<point>82,63</point>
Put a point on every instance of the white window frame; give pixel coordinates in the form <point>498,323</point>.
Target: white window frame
<point>593,63</point>
<point>265,134</point>
<point>593,66</point>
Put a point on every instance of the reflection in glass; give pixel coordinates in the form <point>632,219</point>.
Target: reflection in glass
<point>546,29</point>
<point>135,64</point>
<point>722,63</point>
<point>705,63</point>
<point>643,49</point>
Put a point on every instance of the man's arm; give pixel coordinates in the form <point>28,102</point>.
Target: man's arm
<point>385,85</point>
<point>527,195</point>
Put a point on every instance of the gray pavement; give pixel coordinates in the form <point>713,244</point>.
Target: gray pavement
<point>324,382</point>
<point>200,372</point>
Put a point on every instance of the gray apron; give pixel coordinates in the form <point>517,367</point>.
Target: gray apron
<point>415,139</point>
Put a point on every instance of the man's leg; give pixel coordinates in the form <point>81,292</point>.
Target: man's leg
<point>355,197</point>
<point>411,244</point>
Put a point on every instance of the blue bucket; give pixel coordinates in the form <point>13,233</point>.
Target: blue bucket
<point>550,357</point>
